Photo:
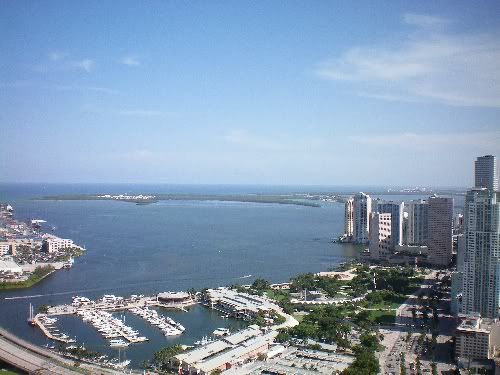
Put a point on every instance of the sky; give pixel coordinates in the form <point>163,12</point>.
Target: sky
<point>249,92</point>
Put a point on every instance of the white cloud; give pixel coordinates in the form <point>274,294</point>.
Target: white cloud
<point>143,113</point>
<point>483,140</point>
<point>140,155</point>
<point>454,69</point>
<point>130,61</point>
<point>57,55</point>
<point>15,84</point>
<point>98,89</point>
<point>57,61</point>
<point>58,87</point>
<point>424,20</point>
<point>86,64</point>
<point>246,141</point>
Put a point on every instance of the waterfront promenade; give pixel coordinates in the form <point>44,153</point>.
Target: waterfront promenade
<point>33,359</point>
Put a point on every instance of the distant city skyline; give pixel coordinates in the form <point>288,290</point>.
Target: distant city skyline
<point>292,93</point>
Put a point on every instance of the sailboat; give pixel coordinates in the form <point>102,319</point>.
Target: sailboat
<point>31,319</point>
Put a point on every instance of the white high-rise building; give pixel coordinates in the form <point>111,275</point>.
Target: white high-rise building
<point>349,217</point>
<point>457,277</point>
<point>396,210</point>
<point>362,208</point>
<point>481,265</point>
<point>486,172</point>
<point>380,236</point>
<point>417,231</point>
<point>440,230</point>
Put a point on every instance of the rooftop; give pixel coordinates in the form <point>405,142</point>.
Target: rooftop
<point>203,352</point>
<point>241,336</point>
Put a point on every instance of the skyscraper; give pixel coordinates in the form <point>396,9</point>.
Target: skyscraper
<point>417,232</point>
<point>440,230</point>
<point>362,208</point>
<point>481,264</point>
<point>396,211</point>
<point>486,172</point>
<point>380,236</point>
<point>349,217</point>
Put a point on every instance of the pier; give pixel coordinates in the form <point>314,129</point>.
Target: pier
<point>98,314</point>
<point>47,332</point>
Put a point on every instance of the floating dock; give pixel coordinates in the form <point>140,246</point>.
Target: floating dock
<point>38,322</point>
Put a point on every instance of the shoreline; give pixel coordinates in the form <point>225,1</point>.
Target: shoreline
<point>6,286</point>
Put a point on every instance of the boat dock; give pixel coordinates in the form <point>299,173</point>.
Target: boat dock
<point>98,314</point>
<point>40,320</point>
<point>109,326</point>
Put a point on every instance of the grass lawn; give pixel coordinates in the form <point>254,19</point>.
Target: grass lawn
<point>6,369</point>
<point>299,317</point>
<point>385,305</point>
<point>382,317</point>
<point>278,295</point>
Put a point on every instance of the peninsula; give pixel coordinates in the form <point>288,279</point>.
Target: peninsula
<point>294,199</point>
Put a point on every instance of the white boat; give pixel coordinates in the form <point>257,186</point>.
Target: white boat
<point>122,364</point>
<point>222,332</point>
<point>118,343</point>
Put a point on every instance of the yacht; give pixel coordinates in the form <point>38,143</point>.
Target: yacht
<point>118,343</point>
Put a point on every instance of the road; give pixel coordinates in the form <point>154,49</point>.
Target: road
<point>403,338</point>
<point>393,341</point>
<point>27,360</point>
<point>33,359</point>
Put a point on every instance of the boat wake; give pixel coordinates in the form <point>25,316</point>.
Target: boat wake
<point>245,277</point>
<point>121,287</point>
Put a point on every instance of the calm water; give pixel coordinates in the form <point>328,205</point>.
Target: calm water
<point>169,246</point>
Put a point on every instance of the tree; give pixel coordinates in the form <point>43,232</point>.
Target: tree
<point>434,368</point>
<point>365,363</point>
<point>414,315</point>
<point>403,364</point>
<point>283,336</point>
<point>261,285</point>
<point>343,343</point>
<point>362,319</point>
<point>161,358</point>
<point>301,282</point>
<point>44,309</point>
<point>369,341</point>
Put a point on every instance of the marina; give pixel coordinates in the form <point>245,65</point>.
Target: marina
<point>166,324</point>
<point>109,326</point>
<point>99,315</point>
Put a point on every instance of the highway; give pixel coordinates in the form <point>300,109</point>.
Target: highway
<point>35,360</point>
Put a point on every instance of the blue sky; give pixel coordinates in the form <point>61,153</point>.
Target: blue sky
<point>260,92</point>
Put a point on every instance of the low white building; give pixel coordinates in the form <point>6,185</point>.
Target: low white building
<point>10,267</point>
<point>225,353</point>
<point>240,305</point>
<point>5,248</point>
<point>53,244</point>
<point>477,338</point>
